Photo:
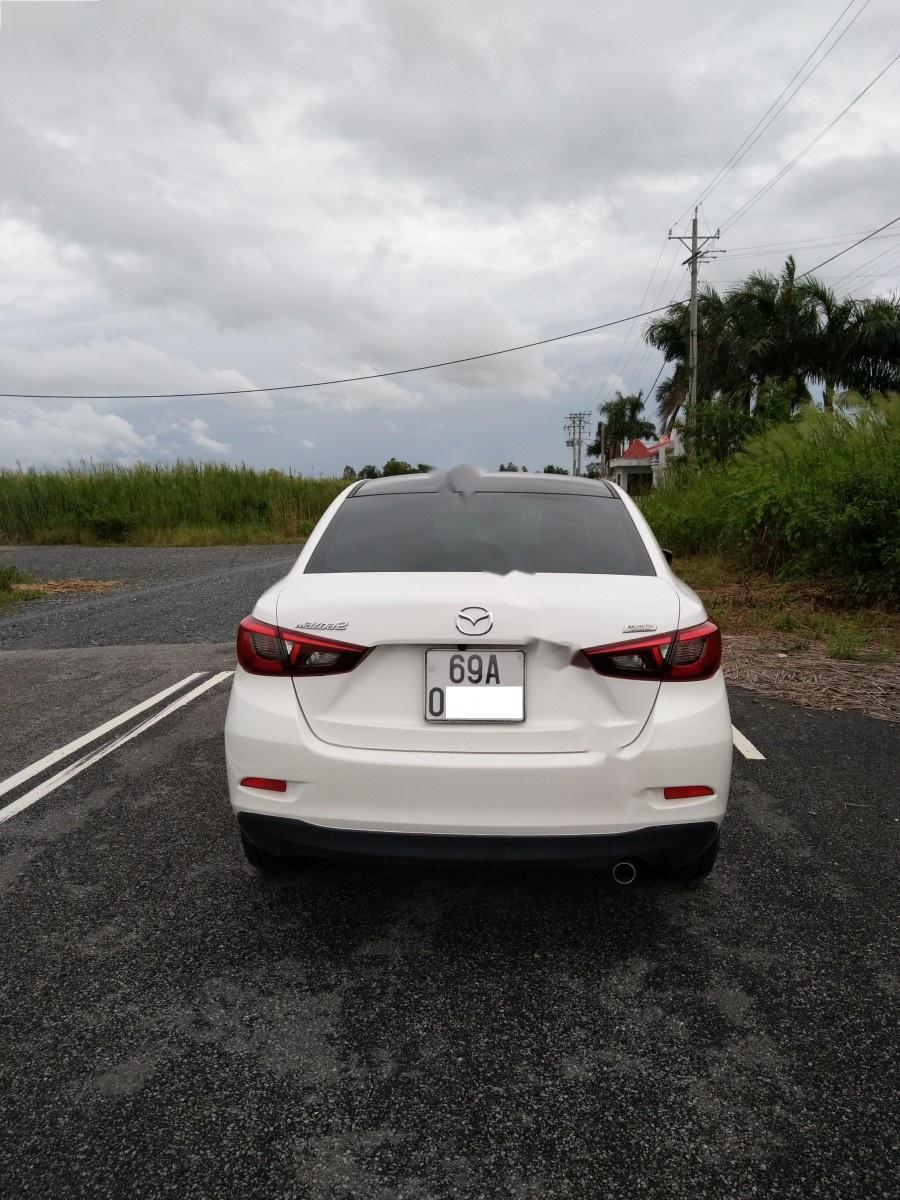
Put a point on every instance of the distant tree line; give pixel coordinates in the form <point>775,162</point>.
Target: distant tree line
<point>393,466</point>
<point>397,466</point>
<point>548,470</point>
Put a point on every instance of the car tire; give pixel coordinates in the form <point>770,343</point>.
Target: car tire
<point>700,867</point>
<point>270,865</point>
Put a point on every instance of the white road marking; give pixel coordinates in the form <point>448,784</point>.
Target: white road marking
<point>64,751</point>
<point>81,764</point>
<point>741,743</point>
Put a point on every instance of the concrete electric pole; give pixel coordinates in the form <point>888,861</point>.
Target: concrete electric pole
<point>576,427</point>
<point>698,254</point>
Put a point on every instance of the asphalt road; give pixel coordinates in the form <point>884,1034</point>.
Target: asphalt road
<point>173,1026</point>
<point>164,595</point>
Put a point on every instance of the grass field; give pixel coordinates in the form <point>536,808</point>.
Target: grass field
<point>792,614</point>
<point>186,504</point>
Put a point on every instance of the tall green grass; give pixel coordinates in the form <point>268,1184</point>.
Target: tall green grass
<point>184,504</point>
<point>817,498</point>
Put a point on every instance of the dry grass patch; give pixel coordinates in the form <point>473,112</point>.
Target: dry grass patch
<point>16,586</point>
<point>812,679</point>
<point>62,587</point>
<point>792,616</point>
<point>797,642</point>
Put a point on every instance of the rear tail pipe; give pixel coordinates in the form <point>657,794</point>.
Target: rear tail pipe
<point>624,872</point>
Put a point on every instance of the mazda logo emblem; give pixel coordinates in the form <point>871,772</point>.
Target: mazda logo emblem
<point>474,621</point>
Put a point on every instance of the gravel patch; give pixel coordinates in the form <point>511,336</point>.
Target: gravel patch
<point>811,679</point>
<point>140,565</point>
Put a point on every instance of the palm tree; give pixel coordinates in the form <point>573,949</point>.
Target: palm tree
<point>833,341</point>
<point>875,364</point>
<point>721,368</point>
<point>783,328</point>
<point>775,320</point>
<point>624,421</point>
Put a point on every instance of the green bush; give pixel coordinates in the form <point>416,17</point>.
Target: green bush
<point>108,527</point>
<point>10,575</point>
<point>819,498</point>
<point>11,581</point>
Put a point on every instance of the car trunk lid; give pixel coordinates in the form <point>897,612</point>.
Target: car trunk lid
<point>552,617</point>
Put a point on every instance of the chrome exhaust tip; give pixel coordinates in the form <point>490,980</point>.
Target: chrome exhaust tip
<point>624,872</point>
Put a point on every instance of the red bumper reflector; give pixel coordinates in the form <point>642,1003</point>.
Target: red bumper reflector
<point>685,793</point>
<point>265,785</point>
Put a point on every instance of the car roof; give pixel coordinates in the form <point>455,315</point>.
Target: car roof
<point>466,479</point>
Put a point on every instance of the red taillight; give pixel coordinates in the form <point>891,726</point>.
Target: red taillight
<point>688,654</point>
<point>265,785</point>
<point>264,649</point>
<point>686,793</point>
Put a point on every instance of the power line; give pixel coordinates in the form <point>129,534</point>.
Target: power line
<point>640,368</point>
<point>629,357</point>
<point>623,344</point>
<point>656,300</point>
<point>290,387</point>
<point>836,280</point>
<point>861,269</point>
<point>865,281</point>
<point>662,286</point>
<point>891,267</point>
<point>859,242</point>
<point>662,367</point>
<point>891,249</point>
<point>793,247</point>
<point>648,350</point>
<point>763,124</point>
<point>824,240</point>
<point>779,175</point>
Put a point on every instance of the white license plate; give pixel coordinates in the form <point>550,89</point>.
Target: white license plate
<point>475,685</point>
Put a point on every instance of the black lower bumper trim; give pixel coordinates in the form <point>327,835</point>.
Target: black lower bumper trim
<point>656,845</point>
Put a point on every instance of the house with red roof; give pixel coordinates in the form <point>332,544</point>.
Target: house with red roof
<point>641,466</point>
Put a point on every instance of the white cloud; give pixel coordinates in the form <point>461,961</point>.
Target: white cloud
<point>55,437</point>
<point>111,365</point>
<point>199,431</point>
<point>297,192</point>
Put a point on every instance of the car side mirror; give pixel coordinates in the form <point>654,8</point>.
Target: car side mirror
<point>667,555</point>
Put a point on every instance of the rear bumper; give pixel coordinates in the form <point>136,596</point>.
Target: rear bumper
<point>596,793</point>
<point>658,845</point>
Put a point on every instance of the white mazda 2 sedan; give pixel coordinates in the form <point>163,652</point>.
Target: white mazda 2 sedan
<point>466,666</point>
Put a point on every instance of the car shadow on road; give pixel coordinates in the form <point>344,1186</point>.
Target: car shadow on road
<point>474,912</point>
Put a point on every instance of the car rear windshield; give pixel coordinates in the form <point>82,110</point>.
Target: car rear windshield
<point>534,532</point>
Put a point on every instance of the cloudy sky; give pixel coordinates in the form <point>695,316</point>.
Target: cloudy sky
<point>200,196</point>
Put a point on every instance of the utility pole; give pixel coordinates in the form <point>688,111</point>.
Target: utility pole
<point>698,254</point>
<point>570,441</point>
<point>576,426</point>
<point>586,419</point>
